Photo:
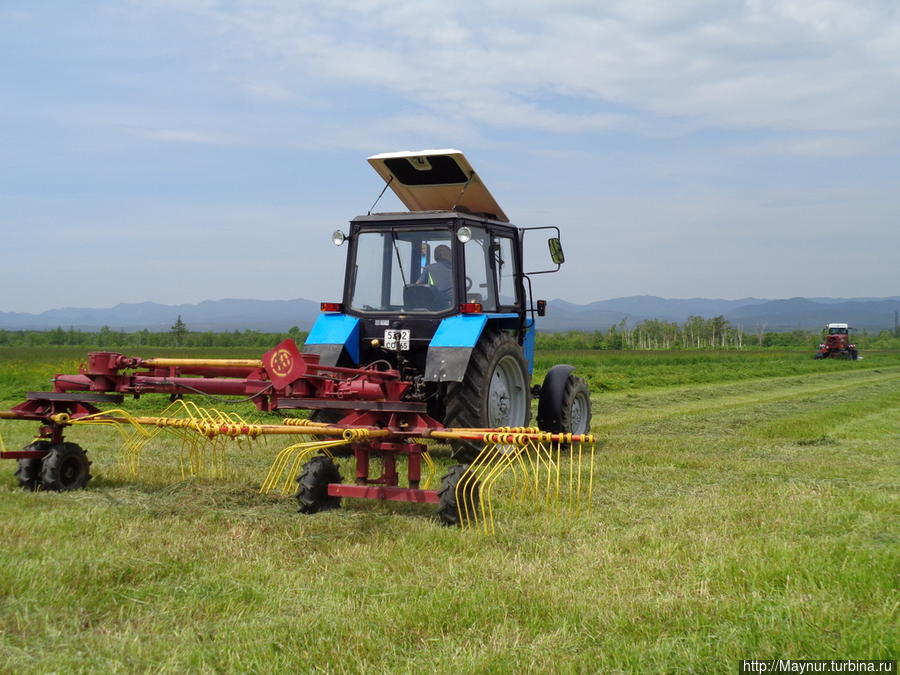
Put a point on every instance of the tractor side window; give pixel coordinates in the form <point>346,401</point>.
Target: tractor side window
<point>505,260</point>
<point>478,280</point>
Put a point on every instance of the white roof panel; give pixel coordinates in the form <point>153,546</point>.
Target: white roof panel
<point>436,180</point>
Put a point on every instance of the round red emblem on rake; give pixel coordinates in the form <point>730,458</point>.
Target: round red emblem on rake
<point>282,362</point>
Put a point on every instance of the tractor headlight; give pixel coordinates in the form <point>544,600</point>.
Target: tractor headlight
<point>463,234</point>
<point>338,238</point>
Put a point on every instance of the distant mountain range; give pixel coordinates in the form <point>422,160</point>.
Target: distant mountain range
<point>753,314</point>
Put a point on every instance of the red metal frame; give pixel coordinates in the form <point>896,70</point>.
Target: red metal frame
<point>283,378</point>
<point>284,374</point>
<point>387,486</point>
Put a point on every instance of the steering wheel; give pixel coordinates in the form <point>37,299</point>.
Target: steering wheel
<point>468,284</point>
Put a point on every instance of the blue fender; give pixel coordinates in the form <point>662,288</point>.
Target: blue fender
<point>452,344</point>
<point>332,334</point>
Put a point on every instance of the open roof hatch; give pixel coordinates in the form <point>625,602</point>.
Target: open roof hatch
<point>436,180</point>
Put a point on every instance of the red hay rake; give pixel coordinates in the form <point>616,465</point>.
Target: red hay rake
<point>378,427</point>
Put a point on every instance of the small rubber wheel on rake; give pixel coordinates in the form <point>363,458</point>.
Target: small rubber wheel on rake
<point>448,509</point>
<point>312,485</point>
<point>28,473</point>
<point>66,467</point>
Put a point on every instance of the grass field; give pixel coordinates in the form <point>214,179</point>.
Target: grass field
<point>745,506</point>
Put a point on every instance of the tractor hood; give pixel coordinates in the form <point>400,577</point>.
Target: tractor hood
<point>436,180</point>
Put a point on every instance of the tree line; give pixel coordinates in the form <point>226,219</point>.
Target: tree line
<point>177,336</point>
<point>700,333</point>
<point>695,333</point>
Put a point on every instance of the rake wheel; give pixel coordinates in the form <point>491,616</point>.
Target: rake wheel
<point>448,509</point>
<point>495,391</point>
<point>66,467</point>
<point>28,473</point>
<point>312,491</point>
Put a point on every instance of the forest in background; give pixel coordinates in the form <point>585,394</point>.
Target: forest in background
<point>653,334</point>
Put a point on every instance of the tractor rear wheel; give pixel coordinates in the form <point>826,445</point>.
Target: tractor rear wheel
<point>495,391</point>
<point>66,467</point>
<point>312,485</point>
<point>28,473</point>
<point>448,506</point>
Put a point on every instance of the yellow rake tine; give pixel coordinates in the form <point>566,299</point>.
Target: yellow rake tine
<point>507,457</point>
<point>459,493</point>
<point>430,470</point>
<point>556,470</point>
<point>301,451</point>
<point>591,476</point>
<point>276,469</point>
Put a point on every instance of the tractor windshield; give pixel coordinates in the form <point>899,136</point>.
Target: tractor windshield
<point>403,270</point>
<point>838,331</point>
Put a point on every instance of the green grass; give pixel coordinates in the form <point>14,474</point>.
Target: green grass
<point>745,507</point>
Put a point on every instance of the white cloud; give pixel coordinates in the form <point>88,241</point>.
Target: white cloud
<point>766,64</point>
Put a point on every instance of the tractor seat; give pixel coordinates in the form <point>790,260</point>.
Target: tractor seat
<point>420,297</point>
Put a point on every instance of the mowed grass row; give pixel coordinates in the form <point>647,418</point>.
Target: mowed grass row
<point>751,517</point>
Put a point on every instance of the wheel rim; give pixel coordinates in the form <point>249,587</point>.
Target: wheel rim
<point>580,408</point>
<point>506,396</point>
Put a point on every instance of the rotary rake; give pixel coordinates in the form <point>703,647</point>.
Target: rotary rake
<point>376,426</point>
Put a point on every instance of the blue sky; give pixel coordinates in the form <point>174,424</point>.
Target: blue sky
<point>182,150</point>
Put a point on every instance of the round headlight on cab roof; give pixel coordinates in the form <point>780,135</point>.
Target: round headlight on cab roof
<point>463,234</point>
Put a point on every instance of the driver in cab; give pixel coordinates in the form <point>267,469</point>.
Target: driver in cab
<point>439,274</point>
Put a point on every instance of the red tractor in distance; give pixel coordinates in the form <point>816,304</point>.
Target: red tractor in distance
<point>837,343</point>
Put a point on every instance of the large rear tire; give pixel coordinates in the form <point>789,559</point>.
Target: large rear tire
<point>495,391</point>
<point>66,467</point>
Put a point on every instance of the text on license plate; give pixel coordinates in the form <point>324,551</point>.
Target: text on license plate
<point>396,339</point>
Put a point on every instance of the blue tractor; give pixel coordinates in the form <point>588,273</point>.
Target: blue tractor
<point>440,294</point>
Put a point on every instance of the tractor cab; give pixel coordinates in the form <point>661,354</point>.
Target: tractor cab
<point>838,329</point>
<point>431,265</point>
<point>440,293</point>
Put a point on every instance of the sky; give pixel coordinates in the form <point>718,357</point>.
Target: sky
<point>182,150</point>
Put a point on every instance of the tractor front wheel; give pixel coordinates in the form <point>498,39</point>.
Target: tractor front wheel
<point>66,467</point>
<point>576,407</point>
<point>494,392</point>
<point>565,403</point>
<point>28,472</point>
<point>457,503</point>
<point>312,485</point>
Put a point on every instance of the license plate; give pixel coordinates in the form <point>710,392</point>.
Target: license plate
<point>396,340</point>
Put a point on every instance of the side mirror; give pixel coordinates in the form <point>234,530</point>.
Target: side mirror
<point>556,251</point>
<point>541,307</point>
